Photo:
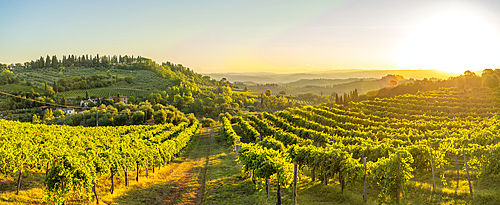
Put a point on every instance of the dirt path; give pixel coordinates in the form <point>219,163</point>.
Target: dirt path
<point>188,179</point>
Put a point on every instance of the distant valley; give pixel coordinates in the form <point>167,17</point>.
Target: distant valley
<point>283,78</point>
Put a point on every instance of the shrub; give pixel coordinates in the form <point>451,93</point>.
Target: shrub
<point>207,122</point>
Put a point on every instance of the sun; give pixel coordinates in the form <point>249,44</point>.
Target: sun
<point>454,42</point>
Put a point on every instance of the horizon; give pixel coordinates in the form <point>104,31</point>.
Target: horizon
<point>278,37</point>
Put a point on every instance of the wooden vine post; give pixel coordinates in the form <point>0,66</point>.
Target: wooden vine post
<point>146,162</point>
<point>47,169</point>
<point>399,177</point>
<point>95,193</point>
<point>313,175</point>
<point>341,180</point>
<point>19,180</point>
<point>364,195</point>
<point>467,169</point>
<point>126,177</point>
<point>432,169</point>
<point>294,194</point>
<point>325,178</point>
<point>456,164</point>
<point>278,192</point>
<point>268,188</point>
<point>137,173</point>
<point>112,183</point>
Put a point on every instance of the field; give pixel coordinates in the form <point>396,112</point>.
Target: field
<point>143,79</point>
<point>109,91</point>
<point>19,87</point>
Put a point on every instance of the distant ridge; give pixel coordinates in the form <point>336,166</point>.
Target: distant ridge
<point>283,78</point>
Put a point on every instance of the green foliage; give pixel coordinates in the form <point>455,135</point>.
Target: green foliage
<point>160,117</point>
<point>207,122</point>
<point>36,119</point>
<point>120,120</point>
<point>268,92</point>
<point>264,163</point>
<point>228,133</point>
<point>48,114</point>
<point>78,156</point>
<point>138,118</point>
<point>129,79</point>
<point>272,143</point>
<point>250,133</point>
<point>7,77</point>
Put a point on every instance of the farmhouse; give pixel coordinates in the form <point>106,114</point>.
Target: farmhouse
<point>124,99</point>
<point>66,110</point>
<point>45,108</point>
<point>85,103</point>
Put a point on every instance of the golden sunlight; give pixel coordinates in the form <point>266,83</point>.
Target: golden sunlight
<point>453,42</point>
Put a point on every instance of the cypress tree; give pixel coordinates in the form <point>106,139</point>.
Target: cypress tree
<point>64,61</point>
<point>41,63</point>
<point>63,100</point>
<point>55,63</point>
<point>55,86</point>
<point>47,62</point>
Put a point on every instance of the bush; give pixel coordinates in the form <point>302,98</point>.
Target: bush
<point>120,120</point>
<point>138,118</point>
<point>129,80</point>
<point>191,118</point>
<point>160,117</point>
<point>207,122</point>
<point>226,115</point>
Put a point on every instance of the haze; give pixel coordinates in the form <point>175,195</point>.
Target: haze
<point>256,36</point>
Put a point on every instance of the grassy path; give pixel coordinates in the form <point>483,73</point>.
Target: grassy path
<point>181,182</point>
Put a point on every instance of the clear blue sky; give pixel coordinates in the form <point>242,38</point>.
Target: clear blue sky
<point>226,36</point>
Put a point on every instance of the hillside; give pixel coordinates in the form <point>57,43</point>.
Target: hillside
<point>321,82</point>
<point>143,85</point>
<point>60,83</point>
<point>283,78</point>
<point>321,86</point>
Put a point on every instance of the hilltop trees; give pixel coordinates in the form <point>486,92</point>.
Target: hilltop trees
<point>490,78</point>
<point>268,92</point>
<point>47,62</point>
<point>7,77</point>
<point>55,62</point>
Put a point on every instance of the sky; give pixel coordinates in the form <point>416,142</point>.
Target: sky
<point>257,36</point>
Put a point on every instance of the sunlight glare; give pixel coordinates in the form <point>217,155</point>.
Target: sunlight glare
<point>453,42</point>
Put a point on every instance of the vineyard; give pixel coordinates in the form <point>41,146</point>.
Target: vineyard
<point>107,92</point>
<point>72,160</point>
<point>380,145</point>
<point>432,147</point>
